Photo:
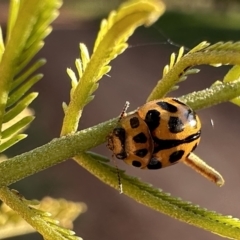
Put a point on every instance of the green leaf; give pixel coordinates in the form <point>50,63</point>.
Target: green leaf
<point>2,48</point>
<point>18,126</point>
<point>25,75</point>
<point>84,55</point>
<point>15,96</point>
<point>12,141</point>
<point>19,107</point>
<point>232,75</point>
<point>73,77</point>
<point>78,65</point>
<point>28,56</point>
<point>13,14</point>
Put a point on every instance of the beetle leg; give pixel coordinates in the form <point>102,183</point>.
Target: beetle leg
<point>201,167</point>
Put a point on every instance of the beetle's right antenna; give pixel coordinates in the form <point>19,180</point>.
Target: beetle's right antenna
<point>120,187</point>
<point>123,114</point>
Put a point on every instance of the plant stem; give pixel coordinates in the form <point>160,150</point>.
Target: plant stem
<point>69,146</point>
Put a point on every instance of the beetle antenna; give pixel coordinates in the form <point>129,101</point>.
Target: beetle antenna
<point>120,187</point>
<point>123,113</point>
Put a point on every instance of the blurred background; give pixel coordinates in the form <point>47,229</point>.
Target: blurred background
<point>133,75</point>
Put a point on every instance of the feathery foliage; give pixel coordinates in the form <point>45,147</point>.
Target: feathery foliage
<point>27,27</point>
<point>111,41</point>
<point>64,211</point>
<point>216,55</point>
<point>160,201</point>
<point>39,219</point>
<point>24,39</point>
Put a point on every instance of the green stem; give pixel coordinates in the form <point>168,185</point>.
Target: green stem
<point>69,146</point>
<point>56,151</point>
<point>211,96</point>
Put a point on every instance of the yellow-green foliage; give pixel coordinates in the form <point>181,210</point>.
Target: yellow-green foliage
<point>29,23</point>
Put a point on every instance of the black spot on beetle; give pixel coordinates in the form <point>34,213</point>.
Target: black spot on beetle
<point>176,156</point>
<point>141,152</point>
<point>192,137</point>
<point>161,144</point>
<point>120,134</point>
<point>152,119</point>
<point>136,163</point>
<point>167,106</point>
<point>121,155</point>
<point>154,164</point>
<point>140,138</point>
<point>175,125</point>
<point>134,122</point>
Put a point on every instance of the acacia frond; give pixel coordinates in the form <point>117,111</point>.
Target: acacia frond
<point>111,41</point>
<point>28,25</point>
<point>174,60</point>
<point>59,214</point>
<point>66,147</point>
<point>58,150</point>
<point>216,55</point>
<point>161,201</point>
<point>187,71</point>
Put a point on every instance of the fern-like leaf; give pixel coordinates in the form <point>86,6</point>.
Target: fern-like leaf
<point>160,201</point>
<point>28,25</point>
<point>66,147</point>
<point>111,41</point>
<point>175,59</point>
<point>56,215</point>
<point>38,159</point>
<point>216,55</point>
